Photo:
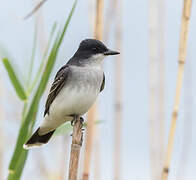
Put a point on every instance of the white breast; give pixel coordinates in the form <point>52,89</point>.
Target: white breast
<point>73,100</point>
<point>78,95</point>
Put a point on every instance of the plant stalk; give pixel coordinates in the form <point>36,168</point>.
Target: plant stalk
<point>77,138</point>
<point>181,62</point>
<point>160,128</point>
<point>118,114</point>
<point>92,114</point>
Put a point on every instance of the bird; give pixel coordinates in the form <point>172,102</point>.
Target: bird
<point>74,90</point>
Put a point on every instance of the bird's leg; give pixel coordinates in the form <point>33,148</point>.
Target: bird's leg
<point>81,120</point>
<point>82,123</point>
<point>75,119</point>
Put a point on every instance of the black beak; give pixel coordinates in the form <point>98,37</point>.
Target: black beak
<point>110,52</point>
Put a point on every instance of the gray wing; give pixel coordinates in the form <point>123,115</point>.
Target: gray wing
<point>103,83</point>
<point>59,81</point>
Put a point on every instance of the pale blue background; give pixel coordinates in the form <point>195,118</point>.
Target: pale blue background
<point>16,37</point>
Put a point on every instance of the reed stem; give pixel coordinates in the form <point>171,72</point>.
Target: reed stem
<point>89,141</point>
<point>92,114</point>
<point>160,128</point>
<point>118,114</point>
<point>181,62</point>
<point>77,139</point>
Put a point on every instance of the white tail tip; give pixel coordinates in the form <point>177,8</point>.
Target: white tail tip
<point>30,146</point>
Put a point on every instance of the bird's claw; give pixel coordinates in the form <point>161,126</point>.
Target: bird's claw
<point>81,120</point>
<point>75,119</point>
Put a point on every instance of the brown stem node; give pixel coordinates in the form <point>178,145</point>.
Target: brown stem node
<point>175,114</point>
<point>166,170</point>
<point>181,62</point>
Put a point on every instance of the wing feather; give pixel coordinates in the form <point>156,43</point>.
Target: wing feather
<point>59,82</point>
<point>103,83</point>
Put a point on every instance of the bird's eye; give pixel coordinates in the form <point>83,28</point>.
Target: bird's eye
<point>95,49</point>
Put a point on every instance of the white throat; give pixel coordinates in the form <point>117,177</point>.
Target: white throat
<point>95,60</point>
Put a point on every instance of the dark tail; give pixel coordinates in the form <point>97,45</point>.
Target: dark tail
<point>38,140</point>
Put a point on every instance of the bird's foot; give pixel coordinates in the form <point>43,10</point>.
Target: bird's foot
<point>81,120</point>
<point>75,120</point>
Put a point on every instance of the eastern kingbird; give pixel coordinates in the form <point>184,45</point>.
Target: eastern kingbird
<point>74,90</point>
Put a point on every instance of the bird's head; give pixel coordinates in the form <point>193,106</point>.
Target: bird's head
<point>93,50</point>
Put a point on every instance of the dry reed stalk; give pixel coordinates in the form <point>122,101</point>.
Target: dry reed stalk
<point>153,44</point>
<point>181,61</point>
<point>91,15</point>
<point>98,31</point>
<point>118,94</point>
<point>96,151</point>
<point>98,35</point>
<point>97,158</point>
<point>36,8</point>
<point>89,141</point>
<point>109,15</point>
<point>161,88</point>
<point>77,138</point>
<point>91,116</point>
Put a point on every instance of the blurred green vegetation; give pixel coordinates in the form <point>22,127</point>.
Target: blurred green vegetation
<point>32,93</point>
